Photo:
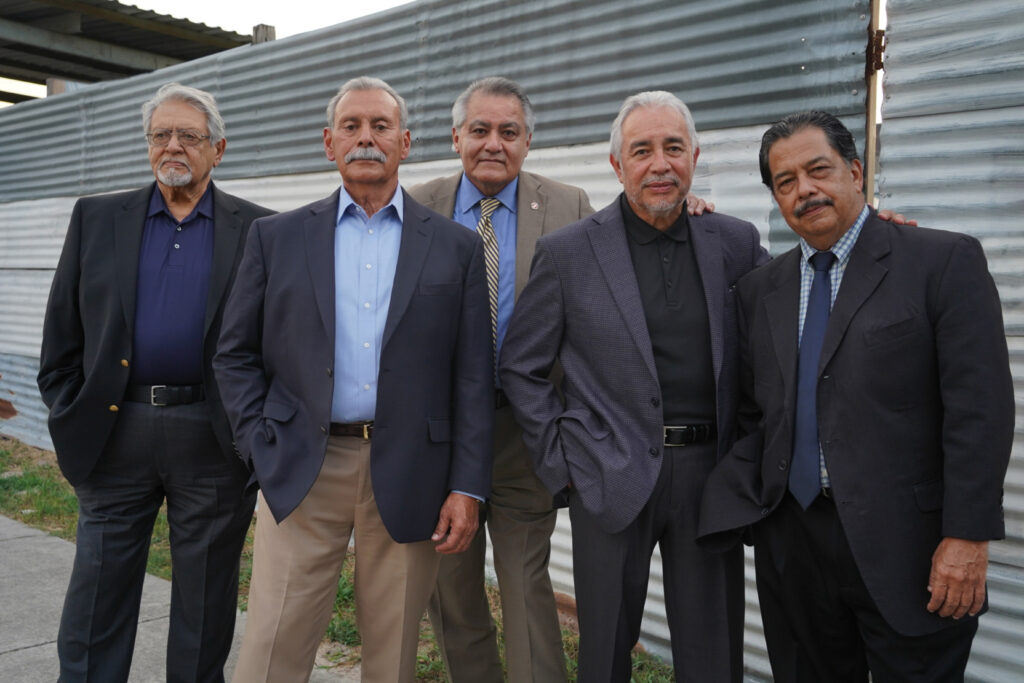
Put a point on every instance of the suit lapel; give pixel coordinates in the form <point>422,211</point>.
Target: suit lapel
<point>531,206</point>
<point>319,237</point>
<point>129,224</point>
<point>442,200</point>
<point>417,233</point>
<point>863,275</point>
<point>782,306</point>
<point>226,234</point>
<point>707,246</point>
<point>608,240</point>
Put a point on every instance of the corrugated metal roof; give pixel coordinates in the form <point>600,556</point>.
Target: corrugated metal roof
<point>38,40</point>
<point>737,63</point>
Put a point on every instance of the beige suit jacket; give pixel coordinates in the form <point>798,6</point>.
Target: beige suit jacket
<point>542,205</point>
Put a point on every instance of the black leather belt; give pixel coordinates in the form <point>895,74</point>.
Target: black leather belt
<point>686,435</point>
<point>164,394</point>
<point>363,430</point>
<point>500,399</point>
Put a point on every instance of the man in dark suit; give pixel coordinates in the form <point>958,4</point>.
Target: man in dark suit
<point>636,303</point>
<point>878,412</point>
<point>492,126</point>
<point>356,368</point>
<point>135,414</point>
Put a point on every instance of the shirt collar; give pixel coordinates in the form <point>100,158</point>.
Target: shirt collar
<point>347,204</point>
<point>643,232</point>
<point>158,205</point>
<point>468,196</point>
<point>844,246</point>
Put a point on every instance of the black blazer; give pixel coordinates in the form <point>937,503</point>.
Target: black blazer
<point>435,391</point>
<point>915,407</point>
<point>88,328</point>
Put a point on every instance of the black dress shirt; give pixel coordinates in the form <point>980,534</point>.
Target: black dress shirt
<point>677,316</point>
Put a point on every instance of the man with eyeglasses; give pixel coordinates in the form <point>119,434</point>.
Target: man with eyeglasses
<point>135,415</point>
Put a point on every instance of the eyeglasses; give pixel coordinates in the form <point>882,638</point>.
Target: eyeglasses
<point>186,138</point>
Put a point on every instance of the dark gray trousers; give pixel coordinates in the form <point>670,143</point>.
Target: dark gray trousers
<point>156,453</point>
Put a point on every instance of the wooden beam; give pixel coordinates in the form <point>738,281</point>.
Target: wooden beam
<point>83,48</point>
<point>153,25</point>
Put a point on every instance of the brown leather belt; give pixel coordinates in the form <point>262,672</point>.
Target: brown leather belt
<point>363,430</point>
<point>164,394</point>
<point>686,435</point>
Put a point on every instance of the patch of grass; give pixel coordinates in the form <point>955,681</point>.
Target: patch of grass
<point>34,492</point>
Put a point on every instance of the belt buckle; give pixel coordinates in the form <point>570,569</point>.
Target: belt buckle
<point>685,429</point>
<point>152,394</point>
<point>367,428</point>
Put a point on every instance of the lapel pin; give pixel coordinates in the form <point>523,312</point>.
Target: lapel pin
<point>534,205</point>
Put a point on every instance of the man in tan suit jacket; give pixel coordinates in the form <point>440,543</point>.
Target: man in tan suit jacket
<point>492,126</point>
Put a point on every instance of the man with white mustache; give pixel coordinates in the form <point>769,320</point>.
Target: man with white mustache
<point>135,414</point>
<point>357,372</point>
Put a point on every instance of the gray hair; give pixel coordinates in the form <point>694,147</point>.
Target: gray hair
<point>498,86</point>
<point>368,83</point>
<point>650,99</point>
<point>199,99</point>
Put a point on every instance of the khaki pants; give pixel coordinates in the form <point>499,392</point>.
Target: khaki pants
<point>295,576</point>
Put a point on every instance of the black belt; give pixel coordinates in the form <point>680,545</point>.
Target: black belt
<point>686,435</point>
<point>363,430</point>
<point>500,399</point>
<point>164,394</point>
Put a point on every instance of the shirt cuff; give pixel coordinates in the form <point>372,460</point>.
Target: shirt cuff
<point>471,495</point>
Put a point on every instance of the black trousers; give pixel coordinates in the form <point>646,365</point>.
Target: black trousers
<point>703,591</point>
<point>156,453</point>
<point>821,624</point>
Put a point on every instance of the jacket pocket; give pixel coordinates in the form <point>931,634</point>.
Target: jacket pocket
<point>440,431</point>
<point>928,495</point>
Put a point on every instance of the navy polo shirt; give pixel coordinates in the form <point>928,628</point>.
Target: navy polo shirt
<point>170,297</point>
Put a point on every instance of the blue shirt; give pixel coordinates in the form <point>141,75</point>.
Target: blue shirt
<point>365,256</point>
<point>467,212</point>
<point>842,249</point>
<point>170,295</point>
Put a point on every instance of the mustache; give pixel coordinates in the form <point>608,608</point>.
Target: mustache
<point>182,161</point>
<point>366,154</point>
<point>650,180</point>
<point>811,204</point>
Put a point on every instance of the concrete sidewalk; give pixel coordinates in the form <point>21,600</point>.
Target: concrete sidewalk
<point>34,572</point>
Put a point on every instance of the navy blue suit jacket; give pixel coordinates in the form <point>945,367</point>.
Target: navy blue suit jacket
<point>435,392</point>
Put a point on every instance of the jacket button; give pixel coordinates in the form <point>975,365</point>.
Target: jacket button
<point>113,408</point>
<point>323,428</point>
<point>124,362</point>
<point>783,463</point>
<point>330,372</point>
<point>653,451</point>
<point>764,512</point>
<point>655,402</point>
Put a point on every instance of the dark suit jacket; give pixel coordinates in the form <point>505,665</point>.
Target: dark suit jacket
<point>582,305</point>
<point>435,390</point>
<point>542,205</point>
<point>915,407</point>
<point>88,328</point>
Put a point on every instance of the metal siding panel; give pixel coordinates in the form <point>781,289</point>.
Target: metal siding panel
<point>952,147</point>
<point>18,385</point>
<point>273,94</point>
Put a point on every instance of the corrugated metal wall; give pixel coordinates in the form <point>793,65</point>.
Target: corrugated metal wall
<point>952,156</point>
<point>738,63</point>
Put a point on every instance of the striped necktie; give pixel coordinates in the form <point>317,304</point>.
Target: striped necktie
<point>486,229</point>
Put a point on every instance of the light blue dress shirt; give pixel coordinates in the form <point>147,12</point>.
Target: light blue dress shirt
<point>467,212</point>
<point>365,256</point>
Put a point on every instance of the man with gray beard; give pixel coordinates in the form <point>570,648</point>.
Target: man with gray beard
<point>135,414</point>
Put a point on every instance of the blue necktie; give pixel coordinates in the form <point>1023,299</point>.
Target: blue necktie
<point>805,470</point>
